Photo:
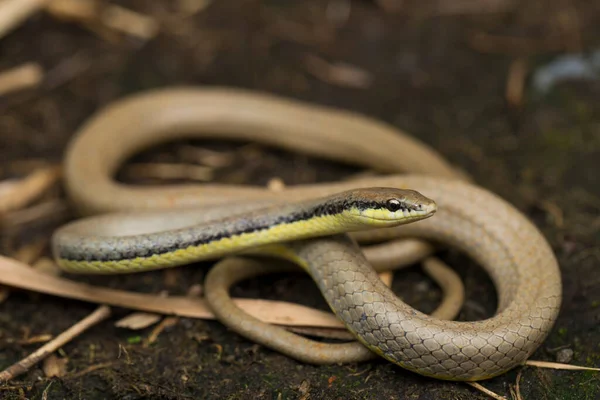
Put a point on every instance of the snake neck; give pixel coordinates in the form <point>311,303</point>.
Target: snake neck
<point>197,243</point>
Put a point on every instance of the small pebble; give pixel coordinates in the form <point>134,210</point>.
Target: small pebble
<point>564,356</point>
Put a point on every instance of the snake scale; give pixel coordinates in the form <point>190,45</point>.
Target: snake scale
<point>139,222</point>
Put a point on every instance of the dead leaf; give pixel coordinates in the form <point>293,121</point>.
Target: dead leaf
<point>138,320</point>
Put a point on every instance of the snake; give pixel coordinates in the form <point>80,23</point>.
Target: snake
<point>415,203</point>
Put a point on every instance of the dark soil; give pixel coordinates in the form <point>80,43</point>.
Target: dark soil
<point>431,79</point>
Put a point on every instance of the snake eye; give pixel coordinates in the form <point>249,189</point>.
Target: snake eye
<point>393,205</point>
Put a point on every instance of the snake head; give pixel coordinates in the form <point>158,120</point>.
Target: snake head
<point>383,207</point>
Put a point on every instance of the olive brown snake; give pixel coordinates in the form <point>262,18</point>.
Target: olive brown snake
<point>487,228</point>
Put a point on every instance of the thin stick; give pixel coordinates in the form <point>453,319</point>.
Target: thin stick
<point>89,369</point>
<point>553,365</point>
<point>14,12</point>
<point>30,188</point>
<point>165,323</point>
<point>518,386</point>
<point>128,21</point>
<point>43,212</point>
<point>21,77</point>
<point>111,16</point>
<point>24,365</point>
<point>487,391</point>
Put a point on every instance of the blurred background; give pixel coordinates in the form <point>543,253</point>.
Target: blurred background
<point>508,91</point>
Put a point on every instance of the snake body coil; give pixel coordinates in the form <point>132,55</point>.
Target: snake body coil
<point>151,221</point>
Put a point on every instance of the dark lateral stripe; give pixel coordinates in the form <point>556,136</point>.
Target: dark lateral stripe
<point>126,248</point>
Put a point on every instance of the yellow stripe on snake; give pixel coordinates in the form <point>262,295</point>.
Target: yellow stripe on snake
<point>418,198</point>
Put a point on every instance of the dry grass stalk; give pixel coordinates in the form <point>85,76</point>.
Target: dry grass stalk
<point>34,340</point>
<point>553,365</point>
<point>130,22</point>
<point>518,387</point>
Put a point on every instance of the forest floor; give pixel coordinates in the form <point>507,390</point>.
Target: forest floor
<point>436,73</point>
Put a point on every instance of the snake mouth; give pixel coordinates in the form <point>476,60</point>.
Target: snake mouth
<point>384,217</point>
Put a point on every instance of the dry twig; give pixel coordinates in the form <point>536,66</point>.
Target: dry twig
<point>39,212</point>
<point>553,365</point>
<point>29,188</point>
<point>34,340</point>
<point>91,13</point>
<point>194,291</point>
<point>486,391</point>
<point>165,323</point>
<point>518,386</point>
<point>89,369</point>
<point>24,365</point>
<point>22,77</point>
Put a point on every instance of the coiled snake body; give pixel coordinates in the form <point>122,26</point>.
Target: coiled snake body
<point>150,227</point>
